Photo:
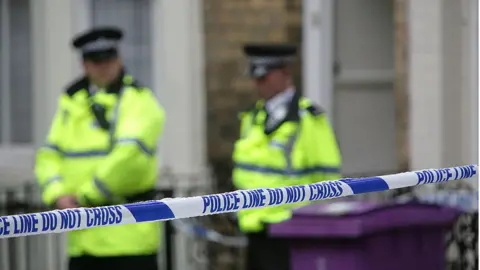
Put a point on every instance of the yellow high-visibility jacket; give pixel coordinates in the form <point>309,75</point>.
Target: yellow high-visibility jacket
<point>298,149</point>
<point>105,159</point>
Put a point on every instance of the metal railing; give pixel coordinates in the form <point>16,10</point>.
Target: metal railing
<point>48,252</point>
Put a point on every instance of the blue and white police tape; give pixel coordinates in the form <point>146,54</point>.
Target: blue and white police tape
<point>175,208</point>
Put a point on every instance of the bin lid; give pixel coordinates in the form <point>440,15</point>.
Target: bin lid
<point>338,208</point>
<point>353,218</point>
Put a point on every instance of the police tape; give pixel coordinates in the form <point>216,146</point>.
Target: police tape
<point>176,208</point>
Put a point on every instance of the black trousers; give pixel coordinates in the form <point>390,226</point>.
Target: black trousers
<point>265,253</point>
<point>147,262</point>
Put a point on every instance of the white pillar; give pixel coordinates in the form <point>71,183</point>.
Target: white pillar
<point>470,69</point>
<point>473,34</point>
<point>469,110</point>
<point>178,80</point>
<point>52,58</point>
<point>443,123</point>
<point>425,84</point>
<point>178,69</point>
<point>318,52</point>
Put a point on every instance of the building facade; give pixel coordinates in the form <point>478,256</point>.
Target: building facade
<point>190,53</point>
<point>398,77</point>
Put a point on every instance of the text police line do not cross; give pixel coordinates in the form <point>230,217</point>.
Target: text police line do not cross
<point>256,198</point>
<point>270,197</point>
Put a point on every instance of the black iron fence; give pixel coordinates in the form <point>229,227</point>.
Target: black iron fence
<point>47,252</point>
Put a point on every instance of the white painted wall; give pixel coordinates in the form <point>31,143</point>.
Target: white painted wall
<point>178,68</point>
<point>443,90</point>
<point>425,84</point>
<point>318,52</point>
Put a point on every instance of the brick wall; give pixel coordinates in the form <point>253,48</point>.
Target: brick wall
<point>231,23</point>
<point>228,25</point>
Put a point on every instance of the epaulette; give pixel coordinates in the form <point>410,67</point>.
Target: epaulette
<point>315,110</point>
<point>249,108</point>
<point>76,86</point>
<point>131,81</point>
<point>140,87</point>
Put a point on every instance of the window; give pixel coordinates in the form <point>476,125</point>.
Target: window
<point>133,17</point>
<point>16,125</point>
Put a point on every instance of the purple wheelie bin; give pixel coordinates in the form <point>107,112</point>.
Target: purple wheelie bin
<point>352,235</point>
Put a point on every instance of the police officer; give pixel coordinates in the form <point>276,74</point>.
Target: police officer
<point>100,150</point>
<point>285,140</point>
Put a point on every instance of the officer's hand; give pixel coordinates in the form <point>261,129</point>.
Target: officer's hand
<point>66,202</point>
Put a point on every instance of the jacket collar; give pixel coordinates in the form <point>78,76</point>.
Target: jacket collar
<point>289,112</point>
<point>115,87</point>
<point>280,99</point>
